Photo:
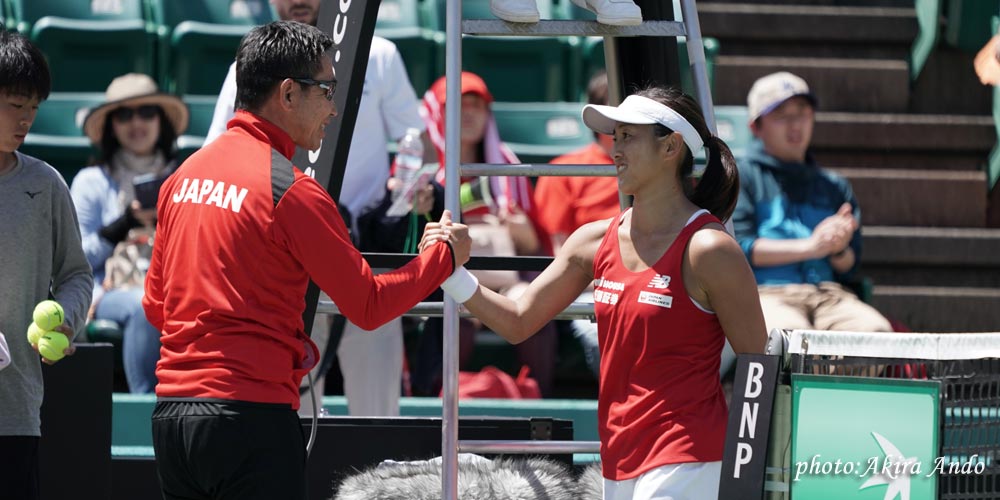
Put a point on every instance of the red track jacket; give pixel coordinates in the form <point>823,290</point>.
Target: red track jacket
<point>231,262</point>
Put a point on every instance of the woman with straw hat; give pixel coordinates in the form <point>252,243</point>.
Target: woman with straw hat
<point>134,132</point>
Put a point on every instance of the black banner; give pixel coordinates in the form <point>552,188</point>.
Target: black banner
<point>744,460</point>
<point>351,23</point>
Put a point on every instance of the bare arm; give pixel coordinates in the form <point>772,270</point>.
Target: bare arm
<point>717,274</point>
<point>558,285</point>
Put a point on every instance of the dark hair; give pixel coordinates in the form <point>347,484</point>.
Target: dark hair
<point>23,70</point>
<point>719,186</point>
<point>270,53</point>
<point>597,88</point>
<point>164,143</point>
<point>597,91</point>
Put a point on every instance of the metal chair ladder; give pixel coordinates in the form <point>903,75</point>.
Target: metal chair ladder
<point>455,27</point>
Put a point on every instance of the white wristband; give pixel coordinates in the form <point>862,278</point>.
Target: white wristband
<point>461,285</point>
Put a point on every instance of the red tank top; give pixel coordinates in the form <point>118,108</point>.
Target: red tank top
<point>660,398</point>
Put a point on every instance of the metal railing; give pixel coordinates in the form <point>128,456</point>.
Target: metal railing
<point>454,28</point>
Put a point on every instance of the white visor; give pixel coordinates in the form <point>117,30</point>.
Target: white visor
<point>641,111</point>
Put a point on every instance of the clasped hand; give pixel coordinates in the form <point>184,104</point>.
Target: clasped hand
<point>833,234</point>
<point>446,230</point>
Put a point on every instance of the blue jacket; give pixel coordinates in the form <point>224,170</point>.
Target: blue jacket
<point>780,201</point>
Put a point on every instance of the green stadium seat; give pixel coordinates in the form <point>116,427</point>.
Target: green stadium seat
<point>102,330</point>
<point>538,132</point>
<point>87,43</point>
<point>522,69</point>
<point>969,24</point>
<point>733,128</point>
<point>56,135</point>
<point>202,107</point>
<point>422,49</point>
<point>198,40</point>
<point>395,14</point>
<point>526,69</point>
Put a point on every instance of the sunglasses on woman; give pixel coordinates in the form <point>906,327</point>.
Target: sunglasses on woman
<point>124,114</point>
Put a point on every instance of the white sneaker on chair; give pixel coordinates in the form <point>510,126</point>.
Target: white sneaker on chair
<point>515,11</point>
<point>614,12</point>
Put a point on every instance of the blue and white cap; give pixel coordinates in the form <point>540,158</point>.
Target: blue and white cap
<point>770,91</point>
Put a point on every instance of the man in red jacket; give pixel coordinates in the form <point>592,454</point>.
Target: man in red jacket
<point>241,231</point>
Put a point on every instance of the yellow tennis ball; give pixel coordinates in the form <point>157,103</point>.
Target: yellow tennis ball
<point>51,346</point>
<point>34,333</point>
<point>48,314</point>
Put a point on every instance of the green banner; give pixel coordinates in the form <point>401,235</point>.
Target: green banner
<point>864,438</point>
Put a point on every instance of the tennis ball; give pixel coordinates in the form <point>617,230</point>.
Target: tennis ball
<point>51,345</point>
<point>48,314</point>
<point>34,333</point>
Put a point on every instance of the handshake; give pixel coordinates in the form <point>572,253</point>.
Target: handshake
<point>462,285</point>
<point>613,12</point>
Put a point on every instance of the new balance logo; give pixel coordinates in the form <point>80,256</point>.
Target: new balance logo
<point>660,282</point>
<point>32,195</point>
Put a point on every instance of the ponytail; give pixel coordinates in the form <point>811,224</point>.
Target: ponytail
<point>719,186</point>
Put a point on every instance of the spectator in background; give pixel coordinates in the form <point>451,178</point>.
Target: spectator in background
<point>135,132</point>
<point>389,106</point>
<point>40,256</point>
<point>799,225</point>
<point>566,203</point>
<point>503,221</point>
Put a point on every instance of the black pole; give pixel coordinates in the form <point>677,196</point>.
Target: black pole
<point>648,60</point>
<point>352,26</point>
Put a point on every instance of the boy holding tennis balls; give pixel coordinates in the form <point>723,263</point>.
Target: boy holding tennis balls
<point>40,255</point>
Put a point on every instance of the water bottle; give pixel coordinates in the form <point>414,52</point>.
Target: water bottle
<point>409,159</point>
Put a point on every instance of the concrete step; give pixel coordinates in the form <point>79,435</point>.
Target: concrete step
<point>859,85</point>
<point>809,49</point>
<point>808,23</point>
<point>938,198</point>
<point>958,247</point>
<point>940,257</point>
<point>929,160</point>
<point>940,309</point>
<point>888,140</point>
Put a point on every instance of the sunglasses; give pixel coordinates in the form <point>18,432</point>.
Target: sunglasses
<point>330,86</point>
<point>146,112</point>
